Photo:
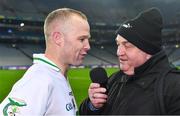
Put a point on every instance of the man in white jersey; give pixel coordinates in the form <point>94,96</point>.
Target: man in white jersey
<point>44,89</point>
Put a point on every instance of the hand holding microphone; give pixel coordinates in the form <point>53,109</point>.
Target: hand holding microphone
<point>97,90</point>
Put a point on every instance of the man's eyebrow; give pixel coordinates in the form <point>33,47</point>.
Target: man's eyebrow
<point>124,42</point>
<point>85,36</point>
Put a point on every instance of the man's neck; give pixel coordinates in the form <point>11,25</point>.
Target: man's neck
<point>63,68</point>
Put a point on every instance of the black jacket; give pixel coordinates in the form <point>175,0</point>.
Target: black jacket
<point>135,94</point>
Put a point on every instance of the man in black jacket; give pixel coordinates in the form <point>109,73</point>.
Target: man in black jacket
<point>143,63</point>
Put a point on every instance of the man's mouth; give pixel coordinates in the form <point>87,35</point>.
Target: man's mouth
<point>83,55</point>
<point>122,60</point>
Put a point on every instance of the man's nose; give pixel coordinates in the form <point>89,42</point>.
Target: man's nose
<point>87,46</point>
<point>120,50</point>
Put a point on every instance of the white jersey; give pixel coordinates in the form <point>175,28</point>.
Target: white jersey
<point>43,90</point>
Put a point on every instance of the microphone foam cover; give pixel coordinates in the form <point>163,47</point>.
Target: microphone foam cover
<point>99,75</point>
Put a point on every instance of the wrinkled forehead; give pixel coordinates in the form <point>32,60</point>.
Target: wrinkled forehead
<point>120,39</point>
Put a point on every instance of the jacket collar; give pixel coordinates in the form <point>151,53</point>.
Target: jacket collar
<point>149,71</point>
<point>154,64</point>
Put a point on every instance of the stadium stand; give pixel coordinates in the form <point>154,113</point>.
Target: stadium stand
<point>173,54</point>
<point>19,43</point>
<point>11,56</point>
<point>21,54</point>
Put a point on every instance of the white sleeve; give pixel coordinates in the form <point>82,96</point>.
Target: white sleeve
<point>28,97</point>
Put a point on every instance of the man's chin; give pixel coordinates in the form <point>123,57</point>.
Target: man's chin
<point>123,68</point>
<point>126,70</point>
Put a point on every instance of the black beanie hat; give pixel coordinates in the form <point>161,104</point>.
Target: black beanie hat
<point>144,31</point>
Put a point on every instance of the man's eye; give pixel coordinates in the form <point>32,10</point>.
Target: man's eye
<point>128,45</point>
<point>82,40</point>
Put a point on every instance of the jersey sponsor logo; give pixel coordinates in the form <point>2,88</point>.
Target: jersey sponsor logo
<point>71,93</point>
<point>13,107</point>
<point>73,103</point>
<point>69,106</point>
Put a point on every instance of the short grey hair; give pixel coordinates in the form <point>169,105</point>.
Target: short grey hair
<point>61,14</point>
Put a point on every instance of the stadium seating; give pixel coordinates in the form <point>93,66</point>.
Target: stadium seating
<point>104,17</point>
<point>21,54</point>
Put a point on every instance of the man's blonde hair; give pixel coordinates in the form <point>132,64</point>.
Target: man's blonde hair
<point>62,14</point>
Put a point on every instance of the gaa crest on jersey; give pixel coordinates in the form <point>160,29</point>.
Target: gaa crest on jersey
<point>13,107</point>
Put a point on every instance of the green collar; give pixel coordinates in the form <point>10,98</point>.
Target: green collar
<point>41,58</point>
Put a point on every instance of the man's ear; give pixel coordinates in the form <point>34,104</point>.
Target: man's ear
<point>57,37</point>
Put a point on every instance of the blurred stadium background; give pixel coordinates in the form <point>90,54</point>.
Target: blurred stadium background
<point>21,35</point>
